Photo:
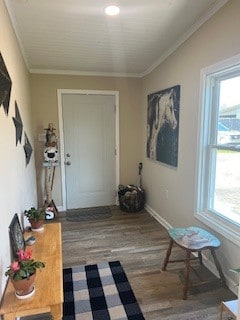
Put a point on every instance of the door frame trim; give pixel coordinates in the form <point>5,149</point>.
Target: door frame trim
<point>60,92</point>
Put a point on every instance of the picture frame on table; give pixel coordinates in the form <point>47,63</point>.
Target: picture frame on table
<point>16,236</point>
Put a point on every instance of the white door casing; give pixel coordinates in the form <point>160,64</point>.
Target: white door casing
<point>94,183</point>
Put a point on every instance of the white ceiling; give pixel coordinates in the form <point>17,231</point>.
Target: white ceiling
<point>74,36</point>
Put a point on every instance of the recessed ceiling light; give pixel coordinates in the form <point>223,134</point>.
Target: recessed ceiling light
<point>112,10</point>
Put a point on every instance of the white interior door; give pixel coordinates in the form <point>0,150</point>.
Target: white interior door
<point>90,150</point>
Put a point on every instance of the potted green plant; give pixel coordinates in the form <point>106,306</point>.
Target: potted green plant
<point>36,217</point>
<point>22,273</point>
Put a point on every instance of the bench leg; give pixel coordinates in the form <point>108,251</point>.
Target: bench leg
<point>219,268</point>
<point>200,257</point>
<point>186,274</point>
<point>167,255</point>
<point>221,311</point>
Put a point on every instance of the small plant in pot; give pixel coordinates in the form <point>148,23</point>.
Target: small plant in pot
<point>36,218</point>
<point>22,273</point>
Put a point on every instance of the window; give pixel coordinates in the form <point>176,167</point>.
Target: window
<point>218,185</point>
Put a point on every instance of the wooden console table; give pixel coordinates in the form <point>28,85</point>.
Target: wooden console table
<point>193,239</point>
<point>48,296</point>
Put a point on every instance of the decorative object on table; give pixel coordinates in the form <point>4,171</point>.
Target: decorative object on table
<point>50,163</point>
<point>162,125</point>
<point>5,86</point>
<point>18,124</point>
<point>36,217</point>
<point>50,213</point>
<point>30,241</point>
<point>27,149</point>
<point>16,236</point>
<point>22,273</point>
<point>103,292</point>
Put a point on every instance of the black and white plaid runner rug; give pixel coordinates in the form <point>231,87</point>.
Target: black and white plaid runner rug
<point>99,292</point>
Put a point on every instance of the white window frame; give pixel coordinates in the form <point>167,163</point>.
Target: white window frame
<point>217,222</point>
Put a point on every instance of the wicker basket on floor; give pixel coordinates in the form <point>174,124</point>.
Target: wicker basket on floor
<point>131,198</point>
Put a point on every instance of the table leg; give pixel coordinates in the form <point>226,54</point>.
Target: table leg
<point>219,269</point>
<point>186,274</point>
<point>57,311</point>
<point>167,255</point>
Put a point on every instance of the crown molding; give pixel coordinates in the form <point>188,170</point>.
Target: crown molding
<point>85,73</point>
<point>8,4</point>
<point>217,6</point>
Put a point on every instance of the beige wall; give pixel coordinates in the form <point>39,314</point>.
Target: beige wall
<point>217,40</point>
<point>17,181</point>
<point>44,100</point>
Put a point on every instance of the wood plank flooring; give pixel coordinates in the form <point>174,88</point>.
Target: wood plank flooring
<point>140,243</point>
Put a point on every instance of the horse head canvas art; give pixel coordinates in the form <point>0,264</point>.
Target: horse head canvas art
<point>162,125</point>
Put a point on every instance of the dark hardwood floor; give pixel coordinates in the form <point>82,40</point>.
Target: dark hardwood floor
<point>139,242</point>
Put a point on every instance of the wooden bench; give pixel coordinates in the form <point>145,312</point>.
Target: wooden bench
<point>193,239</point>
<point>48,296</point>
<point>230,307</point>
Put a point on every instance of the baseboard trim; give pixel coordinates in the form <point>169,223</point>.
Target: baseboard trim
<point>157,217</point>
<point>60,208</point>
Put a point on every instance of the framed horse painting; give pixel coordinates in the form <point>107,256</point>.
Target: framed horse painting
<point>163,125</point>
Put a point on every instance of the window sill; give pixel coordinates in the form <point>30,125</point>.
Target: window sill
<point>227,229</point>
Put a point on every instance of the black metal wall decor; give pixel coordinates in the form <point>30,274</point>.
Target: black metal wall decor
<point>163,125</point>
<point>28,149</point>
<point>5,86</point>
<point>5,93</point>
<point>18,124</point>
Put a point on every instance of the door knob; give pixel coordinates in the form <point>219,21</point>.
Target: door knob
<point>67,163</point>
<point>68,155</point>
